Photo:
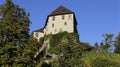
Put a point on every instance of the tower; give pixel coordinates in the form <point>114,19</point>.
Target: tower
<point>60,20</point>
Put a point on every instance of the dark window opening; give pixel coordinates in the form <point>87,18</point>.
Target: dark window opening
<point>65,23</point>
<point>36,34</point>
<point>69,16</point>
<point>52,25</point>
<point>53,18</point>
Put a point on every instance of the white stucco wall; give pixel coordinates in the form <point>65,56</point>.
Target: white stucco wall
<point>39,35</point>
<point>59,24</point>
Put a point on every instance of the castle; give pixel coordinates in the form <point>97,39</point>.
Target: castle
<point>60,20</point>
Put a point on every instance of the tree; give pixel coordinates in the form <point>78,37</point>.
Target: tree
<point>70,51</point>
<point>96,46</point>
<point>117,44</point>
<point>14,34</point>
<point>101,46</point>
<point>108,38</point>
<point>108,41</point>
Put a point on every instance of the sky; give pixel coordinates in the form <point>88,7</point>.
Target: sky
<point>94,17</point>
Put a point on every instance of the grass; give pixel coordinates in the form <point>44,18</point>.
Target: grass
<point>88,57</point>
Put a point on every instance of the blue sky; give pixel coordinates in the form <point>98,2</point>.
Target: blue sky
<point>94,17</point>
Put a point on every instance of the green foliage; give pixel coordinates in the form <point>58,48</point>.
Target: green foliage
<point>86,47</point>
<point>41,41</point>
<point>56,38</point>
<point>103,62</point>
<point>96,58</point>
<point>45,65</point>
<point>117,44</point>
<point>71,54</point>
<point>70,50</point>
<point>106,46</point>
<point>108,38</point>
<point>107,42</point>
<point>17,48</point>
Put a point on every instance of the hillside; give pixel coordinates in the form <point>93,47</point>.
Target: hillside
<point>71,52</point>
<point>101,58</point>
<point>65,46</point>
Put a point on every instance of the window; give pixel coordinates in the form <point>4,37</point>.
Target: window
<point>63,17</point>
<point>52,25</point>
<point>36,34</point>
<point>53,18</point>
<point>69,16</point>
<point>65,23</point>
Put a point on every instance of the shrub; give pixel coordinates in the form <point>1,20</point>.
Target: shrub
<point>41,41</point>
<point>104,62</point>
<point>56,38</point>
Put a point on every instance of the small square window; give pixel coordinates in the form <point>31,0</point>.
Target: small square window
<point>69,16</point>
<point>52,25</point>
<point>36,34</point>
<point>65,23</point>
